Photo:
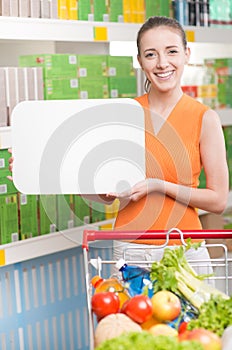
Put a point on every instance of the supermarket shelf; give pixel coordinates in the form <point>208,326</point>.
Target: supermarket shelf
<point>46,244</point>
<point>16,28</point>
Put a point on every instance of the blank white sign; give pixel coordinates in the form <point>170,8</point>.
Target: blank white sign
<point>89,146</point>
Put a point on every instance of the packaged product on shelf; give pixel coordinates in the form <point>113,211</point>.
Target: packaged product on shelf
<point>47,214</point>
<point>8,219</point>
<point>34,8</point>
<point>91,66</point>
<point>115,10</point>
<point>122,87</point>
<point>14,8</point>
<point>120,66</point>
<point>4,8</point>
<point>97,212</point>
<point>85,12</point>
<point>72,9</point>
<point>61,88</point>
<point>44,9</point>
<point>62,9</point>
<point>227,130</point>
<point>64,212</point>
<point>4,159</point>
<point>181,10</point>
<point>208,91</point>
<point>53,9</point>
<point>158,8</point>
<point>23,8</point>
<point>28,216</point>
<point>6,186</point>
<point>100,11</point>
<point>54,65</point>
<point>93,87</point>
<point>3,100</point>
<point>81,211</point>
<point>219,13</point>
<point>223,68</point>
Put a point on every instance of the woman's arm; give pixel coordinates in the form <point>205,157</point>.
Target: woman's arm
<point>214,197</point>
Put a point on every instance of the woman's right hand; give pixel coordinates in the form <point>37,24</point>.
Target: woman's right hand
<point>11,160</point>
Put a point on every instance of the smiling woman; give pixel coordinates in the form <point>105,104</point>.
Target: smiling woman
<point>182,136</point>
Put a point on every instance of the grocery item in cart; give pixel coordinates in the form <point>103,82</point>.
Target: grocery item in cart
<point>137,278</point>
<point>110,285</point>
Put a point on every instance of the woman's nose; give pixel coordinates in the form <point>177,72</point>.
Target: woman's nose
<point>162,62</point>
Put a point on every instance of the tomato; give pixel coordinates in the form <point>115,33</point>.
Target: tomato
<point>105,303</point>
<point>138,308</point>
<point>183,327</point>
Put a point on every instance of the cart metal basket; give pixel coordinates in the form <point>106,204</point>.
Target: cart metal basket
<point>95,265</point>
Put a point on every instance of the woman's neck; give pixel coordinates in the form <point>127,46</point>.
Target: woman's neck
<point>163,103</point>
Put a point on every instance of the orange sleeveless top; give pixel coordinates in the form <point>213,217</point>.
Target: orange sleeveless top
<point>173,155</point>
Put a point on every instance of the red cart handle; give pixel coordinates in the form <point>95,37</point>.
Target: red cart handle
<point>174,233</point>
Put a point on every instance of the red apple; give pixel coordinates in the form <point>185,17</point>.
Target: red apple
<point>166,306</point>
<point>208,339</point>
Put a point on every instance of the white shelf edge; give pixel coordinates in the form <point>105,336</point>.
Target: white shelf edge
<point>40,29</point>
<point>47,244</point>
<point>19,28</point>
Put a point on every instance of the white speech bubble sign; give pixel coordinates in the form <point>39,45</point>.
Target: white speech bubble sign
<point>91,146</point>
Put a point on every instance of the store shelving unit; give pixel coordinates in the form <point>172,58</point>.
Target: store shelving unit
<point>18,35</point>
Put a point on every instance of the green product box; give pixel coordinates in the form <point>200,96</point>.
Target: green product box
<point>93,88</point>
<point>81,210</point>
<point>122,87</point>
<point>28,216</point>
<point>120,66</point>
<point>6,186</point>
<point>61,88</point>
<point>64,212</point>
<point>85,11</point>
<point>47,214</point>
<point>92,66</point>
<point>4,159</point>
<point>9,224</point>
<point>157,8</point>
<point>98,212</point>
<point>223,66</point>
<point>115,8</point>
<point>54,65</point>
<point>202,179</point>
<point>227,131</point>
<point>100,10</point>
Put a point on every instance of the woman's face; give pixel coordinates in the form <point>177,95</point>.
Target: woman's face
<point>162,58</point>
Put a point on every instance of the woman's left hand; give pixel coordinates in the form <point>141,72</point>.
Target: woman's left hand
<point>138,191</point>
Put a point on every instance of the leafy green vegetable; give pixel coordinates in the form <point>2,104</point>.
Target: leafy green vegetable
<point>144,340</point>
<point>174,273</point>
<point>214,315</point>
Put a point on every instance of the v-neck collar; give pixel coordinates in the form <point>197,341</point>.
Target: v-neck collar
<point>155,129</point>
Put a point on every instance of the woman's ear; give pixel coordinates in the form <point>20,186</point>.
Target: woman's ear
<point>139,60</point>
<point>187,55</point>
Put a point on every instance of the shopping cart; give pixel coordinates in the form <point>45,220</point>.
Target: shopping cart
<point>95,265</point>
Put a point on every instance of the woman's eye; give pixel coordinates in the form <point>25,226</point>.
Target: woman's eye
<point>172,52</point>
<point>150,54</point>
